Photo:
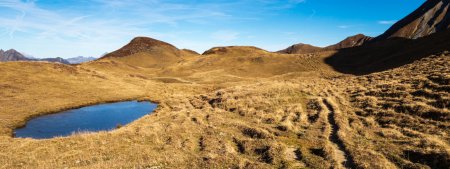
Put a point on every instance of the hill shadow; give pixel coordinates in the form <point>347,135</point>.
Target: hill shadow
<point>383,55</point>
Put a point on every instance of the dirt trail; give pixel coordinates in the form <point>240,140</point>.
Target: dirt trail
<point>341,155</point>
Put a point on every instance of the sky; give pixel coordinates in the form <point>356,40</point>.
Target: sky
<point>70,28</point>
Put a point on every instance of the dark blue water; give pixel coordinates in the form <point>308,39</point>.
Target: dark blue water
<point>92,118</point>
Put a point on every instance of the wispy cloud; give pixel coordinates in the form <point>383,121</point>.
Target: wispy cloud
<point>225,35</point>
<point>345,26</point>
<point>349,26</point>
<point>313,13</point>
<point>387,22</point>
<point>109,17</point>
<point>107,23</point>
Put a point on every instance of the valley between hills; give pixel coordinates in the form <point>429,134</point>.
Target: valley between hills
<point>366,102</point>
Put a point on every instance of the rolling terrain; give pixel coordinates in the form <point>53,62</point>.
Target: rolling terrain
<point>362,103</point>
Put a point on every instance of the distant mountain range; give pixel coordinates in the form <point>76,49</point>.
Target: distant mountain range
<point>55,60</point>
<point>13,55</point>
<point>80,59</point>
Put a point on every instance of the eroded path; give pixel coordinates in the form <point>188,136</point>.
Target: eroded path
<point>340,154</point>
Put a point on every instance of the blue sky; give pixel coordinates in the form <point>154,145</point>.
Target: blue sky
<point>69,28</point>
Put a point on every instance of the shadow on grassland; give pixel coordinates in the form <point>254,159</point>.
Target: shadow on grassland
<point>382,55</point>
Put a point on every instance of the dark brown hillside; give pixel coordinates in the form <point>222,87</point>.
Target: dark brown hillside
<point>352,41</point>
<point>149,53</point>
<point>143,44</point>
<point>388,54</point>
<point>420,34</point>
<point>433,16</point>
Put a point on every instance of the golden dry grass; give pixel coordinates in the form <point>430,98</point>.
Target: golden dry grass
<point>243,115</point>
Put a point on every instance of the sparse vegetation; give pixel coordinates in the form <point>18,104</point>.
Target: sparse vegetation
<point>393,119</point>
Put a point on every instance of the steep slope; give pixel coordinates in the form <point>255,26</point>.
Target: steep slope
<point>301,49</point>
<point>420,34</point>
<point>11,55</point>
<point>352,41</point>
<point>388,54</point>
<point>433,16</point>
<point>146,52</point>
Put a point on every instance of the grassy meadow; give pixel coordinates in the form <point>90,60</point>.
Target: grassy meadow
<point>234,115</point>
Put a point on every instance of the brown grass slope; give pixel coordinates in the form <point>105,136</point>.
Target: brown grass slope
<point>432,17</point>
<point>148,52</point>
<point>402,114</point>
<point>247,61</point>
<point>41,86</point>
<point>301,49</point>
<point>191,52</point>
<point>305,118</point>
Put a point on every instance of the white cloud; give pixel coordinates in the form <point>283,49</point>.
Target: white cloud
<point>356,25</point>
<point>225,35</point>
<point>387,22</point>
<point>345,26</point>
